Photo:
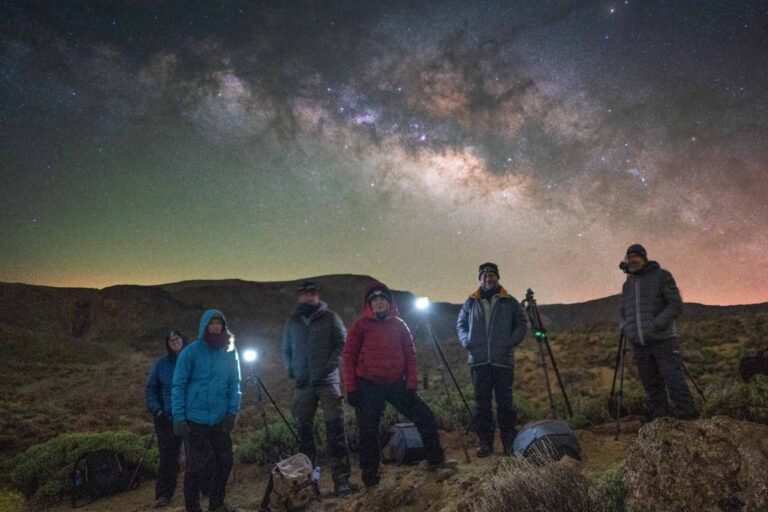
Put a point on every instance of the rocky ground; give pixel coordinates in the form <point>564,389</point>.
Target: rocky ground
<point>406,488</point>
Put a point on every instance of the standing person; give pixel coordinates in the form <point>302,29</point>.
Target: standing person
<point>313,339</point>
<point>157,395</point>
<point>491,324</point>
<point>650,304</point>
<point>206,400</point>
<point>379,367</point>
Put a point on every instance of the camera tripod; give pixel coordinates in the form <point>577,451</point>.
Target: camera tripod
<point>543,342</point>
<point>619,372</point>
<point>445,368</point>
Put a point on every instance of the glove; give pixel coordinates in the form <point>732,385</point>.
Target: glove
<point>228,423</point>
<point>181,428</point>
<point>161,417</point>
<point>353,398</point>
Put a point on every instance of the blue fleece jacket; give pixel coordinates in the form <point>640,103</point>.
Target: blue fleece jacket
<point>206,383</point>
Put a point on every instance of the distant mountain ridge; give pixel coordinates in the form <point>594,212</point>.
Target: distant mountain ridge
<point>255,309</point>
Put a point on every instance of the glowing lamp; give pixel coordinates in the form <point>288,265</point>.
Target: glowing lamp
<point>250,355</point>
<point>422,303</point>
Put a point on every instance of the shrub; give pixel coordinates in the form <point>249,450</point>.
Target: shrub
<point>589,410</point>
<point>11,501</point>
<point>743,401</point>
<point>42,471</point>
<point>263,447</point>
<point>523,486</point>
<point>609,494</point>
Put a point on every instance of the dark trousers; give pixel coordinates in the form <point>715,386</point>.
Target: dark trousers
<point>491,380</point>
<point>660,368</point>
<point>373,400</point>
<point>169,445</point>
<point>206,443</point>
<point>305,402</point>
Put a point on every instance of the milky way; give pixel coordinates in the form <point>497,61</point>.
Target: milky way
<point>148,142</point>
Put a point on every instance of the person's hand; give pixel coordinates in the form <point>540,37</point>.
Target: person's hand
<point>353,398</point>
<point>161,417</point>
<point>228,423</point>
<point>181,428</point>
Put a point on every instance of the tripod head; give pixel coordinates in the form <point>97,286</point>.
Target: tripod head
<point>529,303</point>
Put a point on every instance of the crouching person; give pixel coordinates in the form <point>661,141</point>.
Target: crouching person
<point>380,366</point>
<point>206,400</point>
<point>313,339</point>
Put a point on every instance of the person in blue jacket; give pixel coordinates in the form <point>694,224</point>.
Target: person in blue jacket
<point>206,399</point>
<point>157,395</point>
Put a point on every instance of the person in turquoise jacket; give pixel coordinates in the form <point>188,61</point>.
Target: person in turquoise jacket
<point>206,399</point>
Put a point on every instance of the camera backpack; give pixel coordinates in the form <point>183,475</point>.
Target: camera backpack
<point>98,474</point>
<point>405,445</point>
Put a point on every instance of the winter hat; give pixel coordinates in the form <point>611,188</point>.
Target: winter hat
<point>379,291</point>
<point>488,267</point>
<point>308,286</point>
<point>639,250</point>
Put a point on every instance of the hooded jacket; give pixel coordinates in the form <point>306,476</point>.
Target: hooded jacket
<point>157,391</point>
<point>506,329</point>
<point>650,303</point>
<point>206,383</point>
<point>380,351</point>
<point>312,346</point>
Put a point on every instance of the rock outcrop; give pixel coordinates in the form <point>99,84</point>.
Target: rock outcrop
<point>704,465</point>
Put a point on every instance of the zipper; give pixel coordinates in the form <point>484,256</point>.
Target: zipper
<point>637,311</point>
<point>488,330</point>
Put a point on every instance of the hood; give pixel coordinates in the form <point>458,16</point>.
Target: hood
<point>367,311</point>
<point>207,318</point>
<point>184,343</point>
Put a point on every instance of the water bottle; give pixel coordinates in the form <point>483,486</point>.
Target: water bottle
<point>316,475</point>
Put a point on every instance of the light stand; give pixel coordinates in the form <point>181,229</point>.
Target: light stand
<point>543,342</point>
<point>422,306</point>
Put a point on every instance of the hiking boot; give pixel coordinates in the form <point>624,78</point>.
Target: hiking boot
<point>162,501</point>
<point>344,488</point>
<point>445,464</point>
<point>484,451</point>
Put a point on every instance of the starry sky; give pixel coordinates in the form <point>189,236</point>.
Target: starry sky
<point>148,142</point>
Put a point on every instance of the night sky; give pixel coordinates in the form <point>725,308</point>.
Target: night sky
<point>147,142</point>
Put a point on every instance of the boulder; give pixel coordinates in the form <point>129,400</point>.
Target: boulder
<point>716,464</point>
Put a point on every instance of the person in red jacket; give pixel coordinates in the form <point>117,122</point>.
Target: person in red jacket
<point>379,362</point>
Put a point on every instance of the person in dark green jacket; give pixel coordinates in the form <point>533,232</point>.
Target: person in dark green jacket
<point>650,304</point>
<point>206,399</point>
<point>313,340</point>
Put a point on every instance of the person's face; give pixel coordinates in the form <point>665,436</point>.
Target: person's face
<point>380,305</point>
<point>635,262</point>
<point>216,325</point>
<point>489,280</point>
<point>175,343</point>
<point>311,298</point>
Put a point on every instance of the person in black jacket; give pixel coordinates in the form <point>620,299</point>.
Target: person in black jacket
<point>650,304</point>
<point>491,324</point>
<point>157,394</point>
<point>313,340</point>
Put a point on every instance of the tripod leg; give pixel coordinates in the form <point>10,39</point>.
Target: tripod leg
<point>543,364</point>
<point>559,379</point>
<point>616,369</point>
<point>274,404</point>
<point>622,352</point>
<point>693,381</point>
<point>442,366</point>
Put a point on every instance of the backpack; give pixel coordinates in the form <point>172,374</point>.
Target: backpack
<point>290,487</point>
<point>751,365</point>
<point>98,474</point>
<point>405,445</point>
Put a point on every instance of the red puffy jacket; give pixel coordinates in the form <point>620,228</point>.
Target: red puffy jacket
<point>380,351</point>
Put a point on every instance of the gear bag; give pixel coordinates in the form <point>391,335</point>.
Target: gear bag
<point>290,487</point>
<point>548,438</point>
<point>98,474</point>
<point>405,445</point>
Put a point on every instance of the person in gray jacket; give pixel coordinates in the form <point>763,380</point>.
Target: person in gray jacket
<point>491,324</point>
<point>650,304</point>
<point>313,340</point>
